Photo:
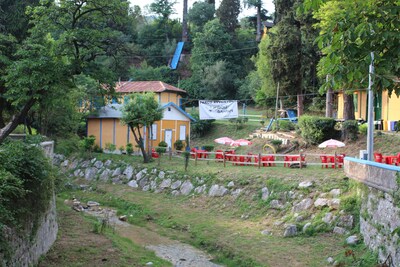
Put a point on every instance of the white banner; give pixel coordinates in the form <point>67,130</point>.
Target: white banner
<point>218,109</point>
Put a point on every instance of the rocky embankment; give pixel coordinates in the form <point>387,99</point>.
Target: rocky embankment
<point>302,210</point>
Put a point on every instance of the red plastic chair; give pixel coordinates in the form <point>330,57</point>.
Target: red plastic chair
<point>324,161</point>
<point>378,157</point>
<point>154,154</point>
<point>398,159</point>
<point>286,161</point>
<point>271,160</point>
<point>339,160</point>
<point>219,155</point>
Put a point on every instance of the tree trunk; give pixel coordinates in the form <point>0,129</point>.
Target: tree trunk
<point>184,21</point>
<point>16,119</point>
<point>258,36</point>
<point>329,103</point>
<point>348,109</point>
<point>300,105</point>
<point>139,141</point>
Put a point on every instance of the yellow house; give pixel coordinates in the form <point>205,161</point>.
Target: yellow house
<point>175,125</point>
<point>386,109</point>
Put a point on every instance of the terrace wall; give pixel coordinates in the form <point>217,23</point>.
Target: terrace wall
<point>380,208</point>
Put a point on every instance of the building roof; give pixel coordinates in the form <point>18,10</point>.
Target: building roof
<point>172,104</point>
<point>114,111</point>
<point>146,86</point>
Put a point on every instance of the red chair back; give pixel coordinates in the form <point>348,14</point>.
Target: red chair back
<point>378,157</point>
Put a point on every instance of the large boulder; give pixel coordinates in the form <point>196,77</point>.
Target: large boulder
<point>186,188</point>
<point>165,183</point>
<point>133,184</point>
<point>90,173</point>
<point>290,230</point>
<point>129,172</point>
<point>176,185</point>
<point>264,193</point>
<point>304,204</point>
<point>217,191</point>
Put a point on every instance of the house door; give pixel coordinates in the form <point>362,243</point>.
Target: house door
<point>378,106</point>
<point>168,137</point>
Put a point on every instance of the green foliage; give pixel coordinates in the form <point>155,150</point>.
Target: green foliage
<point>228,12</point>
<point>162,147</point>
<point>200,127</point>
<point>129,149</point>
<point>111,147</point>
<point>67,146</point>
<point>344,25</point>
<point>276,143</point>
<point>149,73</point>
<point>208,148</point>
<point>283,125</point>
<point>316,129</point>
<point>139,111</point>
<point>22,129</point>
<point>178,145</point>
<point>350,130</point>
<point>121,149</point>
<point>88,142</point>
<point>200,13</point>
<point>363,129</point>
<point>162,144</point>
<point>26,186</point>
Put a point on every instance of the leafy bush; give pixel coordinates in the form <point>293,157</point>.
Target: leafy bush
<point>363,129</point>
<point>208,148</point>
<point>162,147</point>
<point>276,143</point>
<point>317,129</point>
<point>121,149</point>
<point>111,147</point>
<point>178,145</point>
<point>284,125</point>
<point>26,185</point>
<point>67,146</point>
<point>350,130</point>
<point>200,127</point>
<point>88,142</point>
<point>129,149</point>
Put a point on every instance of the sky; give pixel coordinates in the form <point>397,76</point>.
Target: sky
<point>268,5</point>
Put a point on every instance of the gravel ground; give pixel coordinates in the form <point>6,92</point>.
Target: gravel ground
<point>179,254</point>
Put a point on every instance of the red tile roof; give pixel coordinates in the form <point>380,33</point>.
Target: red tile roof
<point>146,86</point>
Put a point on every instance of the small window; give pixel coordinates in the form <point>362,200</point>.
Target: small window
<point>355,100</point>
<point>154,132</point>
<point>182,132</point>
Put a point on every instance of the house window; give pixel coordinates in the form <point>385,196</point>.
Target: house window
<point>182,132</point>
<point>154,132</point>
<point>355,100</point>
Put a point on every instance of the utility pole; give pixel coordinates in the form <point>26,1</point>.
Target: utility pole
<point>370,132</point>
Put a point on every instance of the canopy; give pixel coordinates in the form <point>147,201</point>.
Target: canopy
<point>223,140</point>
<point>241,142</point>
<point>331,143</point>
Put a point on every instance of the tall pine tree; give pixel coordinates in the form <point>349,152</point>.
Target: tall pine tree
<point>228,13</point>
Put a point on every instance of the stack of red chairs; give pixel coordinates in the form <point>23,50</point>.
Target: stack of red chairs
<point>378,157</point>
<point>154,154</point>
<point>324,161</point>
<point>219,155</point>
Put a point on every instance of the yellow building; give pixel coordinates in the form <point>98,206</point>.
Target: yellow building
<point>175,125</point>
<point>386,109</point>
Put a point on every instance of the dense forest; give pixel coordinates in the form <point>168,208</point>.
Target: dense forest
<point>55,54</point>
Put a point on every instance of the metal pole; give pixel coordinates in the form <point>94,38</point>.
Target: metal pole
<point>370,132</point>
<point>276,107</point>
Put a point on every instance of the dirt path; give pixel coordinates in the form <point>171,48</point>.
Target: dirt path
<point>179,254</point>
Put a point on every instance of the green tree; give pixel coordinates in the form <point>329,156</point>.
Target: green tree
<point>258,5</point>
<point>349,32</point>
<point>228,13</point>
<point>66,39</point>
<point>141,110</point>
<point>200,14</point>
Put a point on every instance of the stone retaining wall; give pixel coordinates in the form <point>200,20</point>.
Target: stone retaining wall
<point>26,249</point>
<point>380,208</point>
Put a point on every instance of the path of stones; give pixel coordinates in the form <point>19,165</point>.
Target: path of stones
<point>179,254</point>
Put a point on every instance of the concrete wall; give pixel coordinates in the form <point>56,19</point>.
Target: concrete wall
<point>27,250</point>
<point>380,207</point>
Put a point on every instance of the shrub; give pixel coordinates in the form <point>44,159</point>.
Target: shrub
<point>350,130</point>
<point>200,127</point>
<point>276,143</point>
<point>178,145</point>
<point>317,129</point>
<point>162,147</point>
<point>121,149</point>
<point>26,185</point>
<point>208,148</point>
<point>88,142</point>
<point>67,146</point>
<point>20,130</point>
<point>129,149</point>
<point>111,147</point>
<point>284,125</point>
<point>363,129</point>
